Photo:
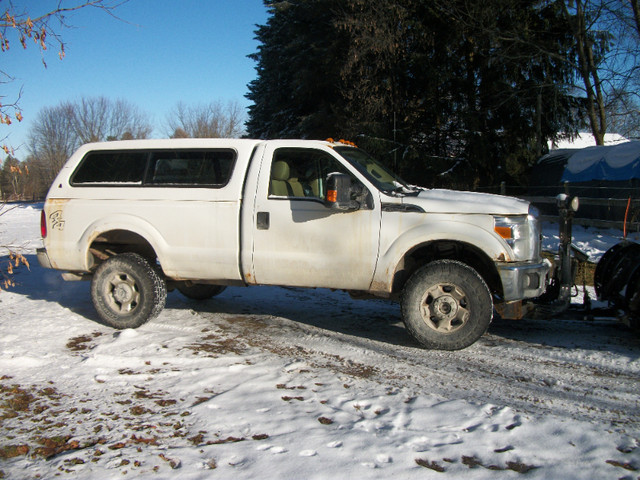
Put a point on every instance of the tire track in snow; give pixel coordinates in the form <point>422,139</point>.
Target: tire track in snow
<point>578,370</point>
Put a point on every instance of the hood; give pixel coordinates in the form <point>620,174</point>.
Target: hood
<point>453,201</point>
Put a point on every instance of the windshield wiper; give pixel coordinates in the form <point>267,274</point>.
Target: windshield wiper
<point>402,190</point>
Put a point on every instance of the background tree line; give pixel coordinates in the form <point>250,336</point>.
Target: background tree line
<point>451,93</point>
<point>59,130</point>
<point>447,92</point>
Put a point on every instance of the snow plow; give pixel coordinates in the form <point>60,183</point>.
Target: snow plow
<point>616,278</point>
<point>617,281</point>
<point>600,172</point>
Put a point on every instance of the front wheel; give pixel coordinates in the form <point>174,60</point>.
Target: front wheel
<point>446,305</point>
<point>127,291</point>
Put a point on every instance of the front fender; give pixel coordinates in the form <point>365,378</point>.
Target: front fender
<point>393,251</point>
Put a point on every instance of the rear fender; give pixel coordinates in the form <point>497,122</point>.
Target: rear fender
<point>121,222</point>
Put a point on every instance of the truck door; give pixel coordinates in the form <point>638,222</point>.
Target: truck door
<point>297,240</point>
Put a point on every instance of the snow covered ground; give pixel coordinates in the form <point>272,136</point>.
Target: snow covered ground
<point>290,383</point>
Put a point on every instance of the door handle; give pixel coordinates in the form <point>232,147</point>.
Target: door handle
<point>263,221</point>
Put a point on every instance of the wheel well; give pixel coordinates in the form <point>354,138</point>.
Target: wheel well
<point>115,242</point>
<point>449,250</point>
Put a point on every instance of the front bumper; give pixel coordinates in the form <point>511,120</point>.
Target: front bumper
<point>523,280</point>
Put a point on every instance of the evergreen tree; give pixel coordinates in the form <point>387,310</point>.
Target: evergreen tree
<point>429,87</point>
<point>298,65</point>
<point>12,179</point>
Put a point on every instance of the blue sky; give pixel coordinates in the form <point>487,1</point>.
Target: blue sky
<point>162,52</point>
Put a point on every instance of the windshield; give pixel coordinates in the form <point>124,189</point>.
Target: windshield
<point>383,178</point>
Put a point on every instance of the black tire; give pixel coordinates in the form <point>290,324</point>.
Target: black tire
<point>127,291</point>
<point>446,305</point>
<point>200,291</point>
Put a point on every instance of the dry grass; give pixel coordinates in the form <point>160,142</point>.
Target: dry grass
<point>474,462</point>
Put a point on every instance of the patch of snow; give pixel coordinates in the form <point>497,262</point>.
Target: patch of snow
<point>584,139</point>
<point>287,383</point>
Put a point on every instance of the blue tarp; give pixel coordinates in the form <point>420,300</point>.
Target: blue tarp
<point>612,163</point>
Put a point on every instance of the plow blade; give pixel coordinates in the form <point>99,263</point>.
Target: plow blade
<point>617,280</point>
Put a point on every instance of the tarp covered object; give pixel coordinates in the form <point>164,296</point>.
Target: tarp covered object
<point>611,163</point>
<point>601,172</point>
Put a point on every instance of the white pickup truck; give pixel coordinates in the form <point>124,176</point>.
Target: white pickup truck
<point>142,217</point>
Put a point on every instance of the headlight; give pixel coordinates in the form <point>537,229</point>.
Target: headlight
<point>569,203</point>
<point>522,234</point>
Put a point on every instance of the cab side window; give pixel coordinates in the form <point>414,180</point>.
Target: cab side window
<point>301,173</point>
<point>210,168</point>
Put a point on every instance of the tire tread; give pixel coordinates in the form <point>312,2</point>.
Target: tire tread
<point>476,289</point>
<point>147,272</point>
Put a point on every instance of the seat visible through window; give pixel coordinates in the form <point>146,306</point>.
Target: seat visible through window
<point>282,185</point>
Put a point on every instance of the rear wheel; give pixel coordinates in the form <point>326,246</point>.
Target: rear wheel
<point>446,305</point>
<point>127,291</point>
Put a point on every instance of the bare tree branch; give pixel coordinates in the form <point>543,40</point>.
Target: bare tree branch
<point>26,26</point>
<point>213,120</point>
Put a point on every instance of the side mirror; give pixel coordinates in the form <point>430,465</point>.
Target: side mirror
<point>338,196</point>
